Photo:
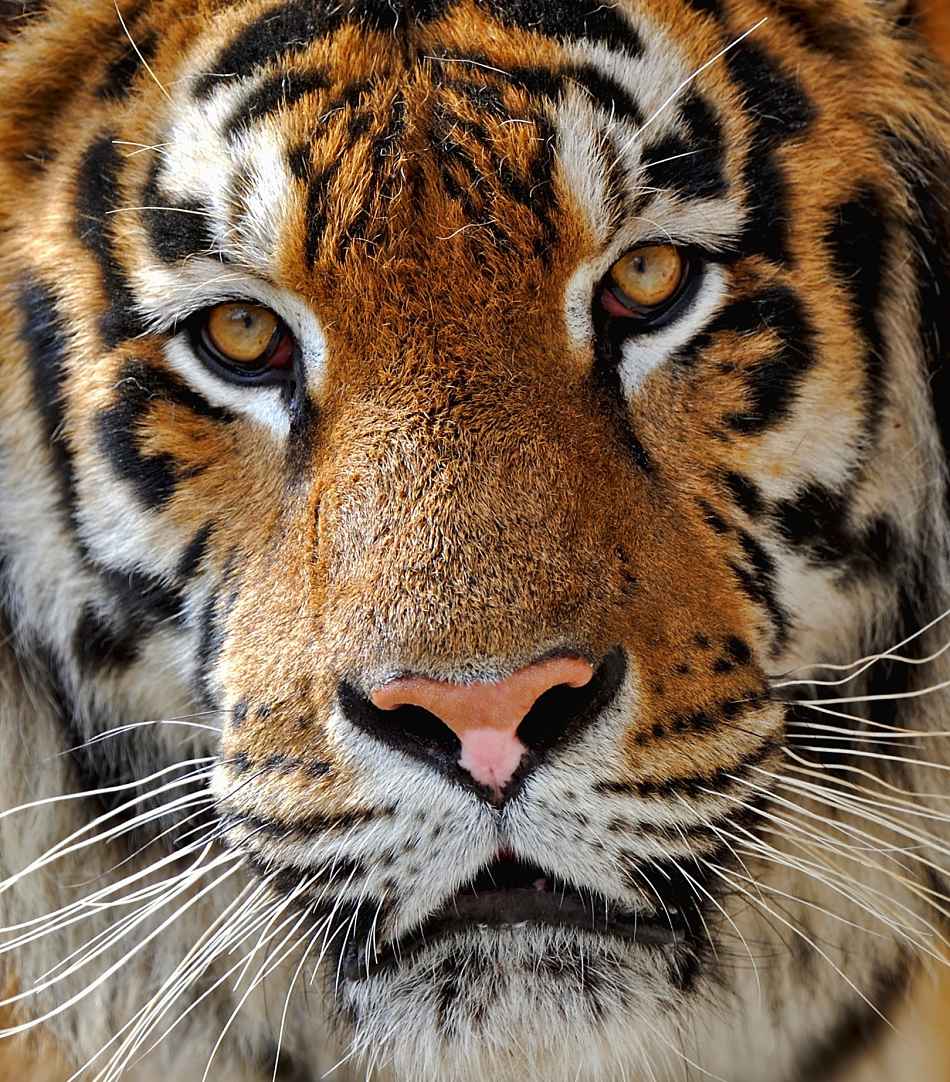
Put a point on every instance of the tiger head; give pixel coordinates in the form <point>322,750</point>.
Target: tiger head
<point>475,413</point>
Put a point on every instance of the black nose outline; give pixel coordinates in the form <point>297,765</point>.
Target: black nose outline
<point>558,718</point>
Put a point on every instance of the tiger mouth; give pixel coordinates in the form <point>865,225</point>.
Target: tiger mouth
<point>509,894</point>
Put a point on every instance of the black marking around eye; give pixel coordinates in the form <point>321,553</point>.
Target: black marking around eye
<point>560,19</point>
<point>154,477</point>
<point>280,91</point>
<point>858,242</point>
<point>97,195</point>
<point>779,109</point>
<point>44,334</point>
<point>101,646</point>
<point>121,73</point>
<point>772,383</point>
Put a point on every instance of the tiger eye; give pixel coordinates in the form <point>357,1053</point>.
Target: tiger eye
<point>648,277</point>
<point>241,332</point>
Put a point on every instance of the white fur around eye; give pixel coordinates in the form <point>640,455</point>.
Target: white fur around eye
<point>644,353</point>
<point>264,405</point>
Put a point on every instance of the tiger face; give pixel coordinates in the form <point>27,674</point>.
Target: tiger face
<point>475,413</point>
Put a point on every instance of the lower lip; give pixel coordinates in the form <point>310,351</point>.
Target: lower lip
<point>470,913</point>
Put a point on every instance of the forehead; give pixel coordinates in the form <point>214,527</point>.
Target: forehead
<point>314,133</point>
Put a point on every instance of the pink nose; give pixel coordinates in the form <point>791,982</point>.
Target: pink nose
<point>485,717</point>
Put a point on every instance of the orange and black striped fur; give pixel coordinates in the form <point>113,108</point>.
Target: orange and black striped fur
<point>472,465</point>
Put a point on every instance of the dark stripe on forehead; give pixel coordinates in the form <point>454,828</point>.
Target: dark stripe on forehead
<point>280,32</point>
<point>691,166</point>
<point>121,73</point>
<point>280,91</point>
<point>154,477</point>
<point>820,29</point>
<point>599,21</point>
<point>97,194</point>
<point>779,109</point>
<point>858,241</point>
<point>176,230</point>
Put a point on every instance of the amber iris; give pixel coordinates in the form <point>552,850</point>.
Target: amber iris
<point>245,334</point>
<point>645,279</point>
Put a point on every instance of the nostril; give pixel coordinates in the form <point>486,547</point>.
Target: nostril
<point>407,728</point>
<point>563,711</point>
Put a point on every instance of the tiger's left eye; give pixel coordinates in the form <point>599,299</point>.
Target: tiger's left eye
<point>244,341</point>
<point>646,282</point>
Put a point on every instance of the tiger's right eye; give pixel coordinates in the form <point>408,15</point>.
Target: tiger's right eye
<point>245,342</point>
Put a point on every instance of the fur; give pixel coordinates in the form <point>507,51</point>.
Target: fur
<point>472,469</point>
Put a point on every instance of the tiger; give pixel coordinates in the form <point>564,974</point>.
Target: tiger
<point>474,540</point>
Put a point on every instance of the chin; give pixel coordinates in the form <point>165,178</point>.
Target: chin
<point>520,1002</point>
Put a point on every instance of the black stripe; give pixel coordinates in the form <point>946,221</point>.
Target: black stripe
<point>121,73</point>
<point>697,170</point>
<point>143,595</point>
<point>758,578</point>
<point>97,194</point>
<point>154,477</point>
<point>820,29</point>
<point>744,492</point>
<point>177,230</point>
<point>692,785</point>
<point>307,826</point>
<point>194,553</point>
<point>859,245</point>
<point>818,521</point>
<point>779,109</point>
<point>926,172</point>
<point>600,21</point>
<point>102,646</point>
<point>43,332</point>
<point>318,197</point>
<point>280,91</point>
<point>771,384</point>
<point>858,1027</point>
<point>279,33</point>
